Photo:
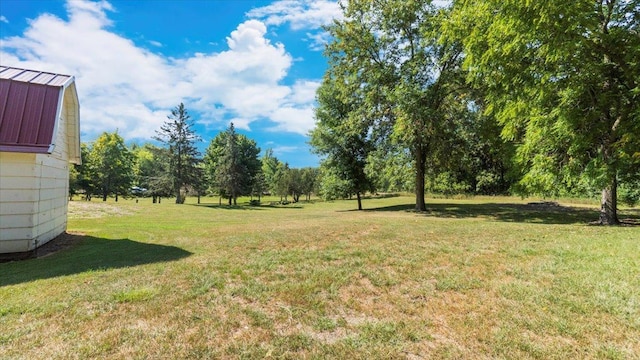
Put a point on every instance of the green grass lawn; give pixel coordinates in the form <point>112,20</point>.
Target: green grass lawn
<point>472,278</point>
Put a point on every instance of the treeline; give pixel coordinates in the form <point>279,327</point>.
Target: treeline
<point>229,168</point>
<point>485,96</point>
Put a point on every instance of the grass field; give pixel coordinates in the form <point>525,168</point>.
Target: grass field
<point>472,278</point>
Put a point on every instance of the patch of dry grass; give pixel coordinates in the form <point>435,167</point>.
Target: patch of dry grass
<point>472,278</point>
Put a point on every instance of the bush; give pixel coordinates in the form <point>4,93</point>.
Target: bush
<point>629,194</point>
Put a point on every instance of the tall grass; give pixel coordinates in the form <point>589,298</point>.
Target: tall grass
<point>471,278</point>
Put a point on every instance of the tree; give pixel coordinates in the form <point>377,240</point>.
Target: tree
<point>332,186</point>
<point>281,181</point>
<point>112,165</point>
<point>231,164</point>
<point>269,166</point>
<point>340,134</point>
<point>259,184</point>
<point>151,171</point>
<point>309,181</point>
<point>177,134</point>
<point>405,76</point>
<point>295,184</point>
<point>390,168</point>
<point>84,178</point>
<point>564,82</point>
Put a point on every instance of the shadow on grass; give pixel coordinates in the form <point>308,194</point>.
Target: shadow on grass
<point>71,254</point>
<point>249,207</point>
<point>227,207</point>
<point>530,213</point>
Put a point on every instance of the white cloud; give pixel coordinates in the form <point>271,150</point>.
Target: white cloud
<point>281,150</point>
<point>304,91</point>
<point>4,19</point>
<point>298,120</point>
<point>301,15</point>
<point>126,87</point>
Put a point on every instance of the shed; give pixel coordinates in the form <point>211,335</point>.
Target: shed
<point>39,138</point>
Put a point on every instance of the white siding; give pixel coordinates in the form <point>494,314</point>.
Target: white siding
<point>34,192</point>
<point>18,201</point>
<point>53,171</point>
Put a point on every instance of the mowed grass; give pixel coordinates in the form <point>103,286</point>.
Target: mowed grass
<point>472,278</point>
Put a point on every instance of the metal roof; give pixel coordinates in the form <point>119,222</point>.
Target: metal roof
<point>30,104</point>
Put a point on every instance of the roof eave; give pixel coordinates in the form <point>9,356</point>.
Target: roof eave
<point>33,149</point>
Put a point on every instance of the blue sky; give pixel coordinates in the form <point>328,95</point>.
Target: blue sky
<point>256,63</point>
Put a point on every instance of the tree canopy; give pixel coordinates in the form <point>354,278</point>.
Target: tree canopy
<point>231,164</point>
<point>111,165</point>
<point>563,80</point>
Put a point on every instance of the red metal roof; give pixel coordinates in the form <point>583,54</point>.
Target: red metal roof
<point>30,103</point>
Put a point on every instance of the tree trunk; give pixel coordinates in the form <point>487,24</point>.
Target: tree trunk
<point>116,197</point>
<point>104,196</point>
<point>359,201</point>
<point>198,198</point>
<point>230,197</point>
<point>420,158</point>
<point>609,204</point>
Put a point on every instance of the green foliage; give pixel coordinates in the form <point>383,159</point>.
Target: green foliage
<point>269,166</point>
<point>629,193</point>
<point>562,79</point>
<point>111,164</point>
<point>447,184</point>
<point>152,171</point>
<point>309,181</point>
<point>397,79</point>
<point>391,169</point>
<point>333,187</point>
<point>231,164</point>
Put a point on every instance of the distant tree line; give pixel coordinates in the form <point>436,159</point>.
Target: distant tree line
<point>473,97</point>
<point>230,167</point>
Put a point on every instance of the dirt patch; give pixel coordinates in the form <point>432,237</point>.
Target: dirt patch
<point>93,210</point>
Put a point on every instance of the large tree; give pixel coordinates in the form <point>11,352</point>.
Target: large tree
<point>178,136</point>
<point>340,135</point>
<point>563,79</point>
<point>231,164</point>
<point>112,165</point>
<point>405,76</point>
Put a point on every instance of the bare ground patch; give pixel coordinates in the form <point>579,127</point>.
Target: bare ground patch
<point>93,210</point>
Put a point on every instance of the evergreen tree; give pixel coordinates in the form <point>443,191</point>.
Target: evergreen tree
<point>178,136</point>
<point>231,164</point>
